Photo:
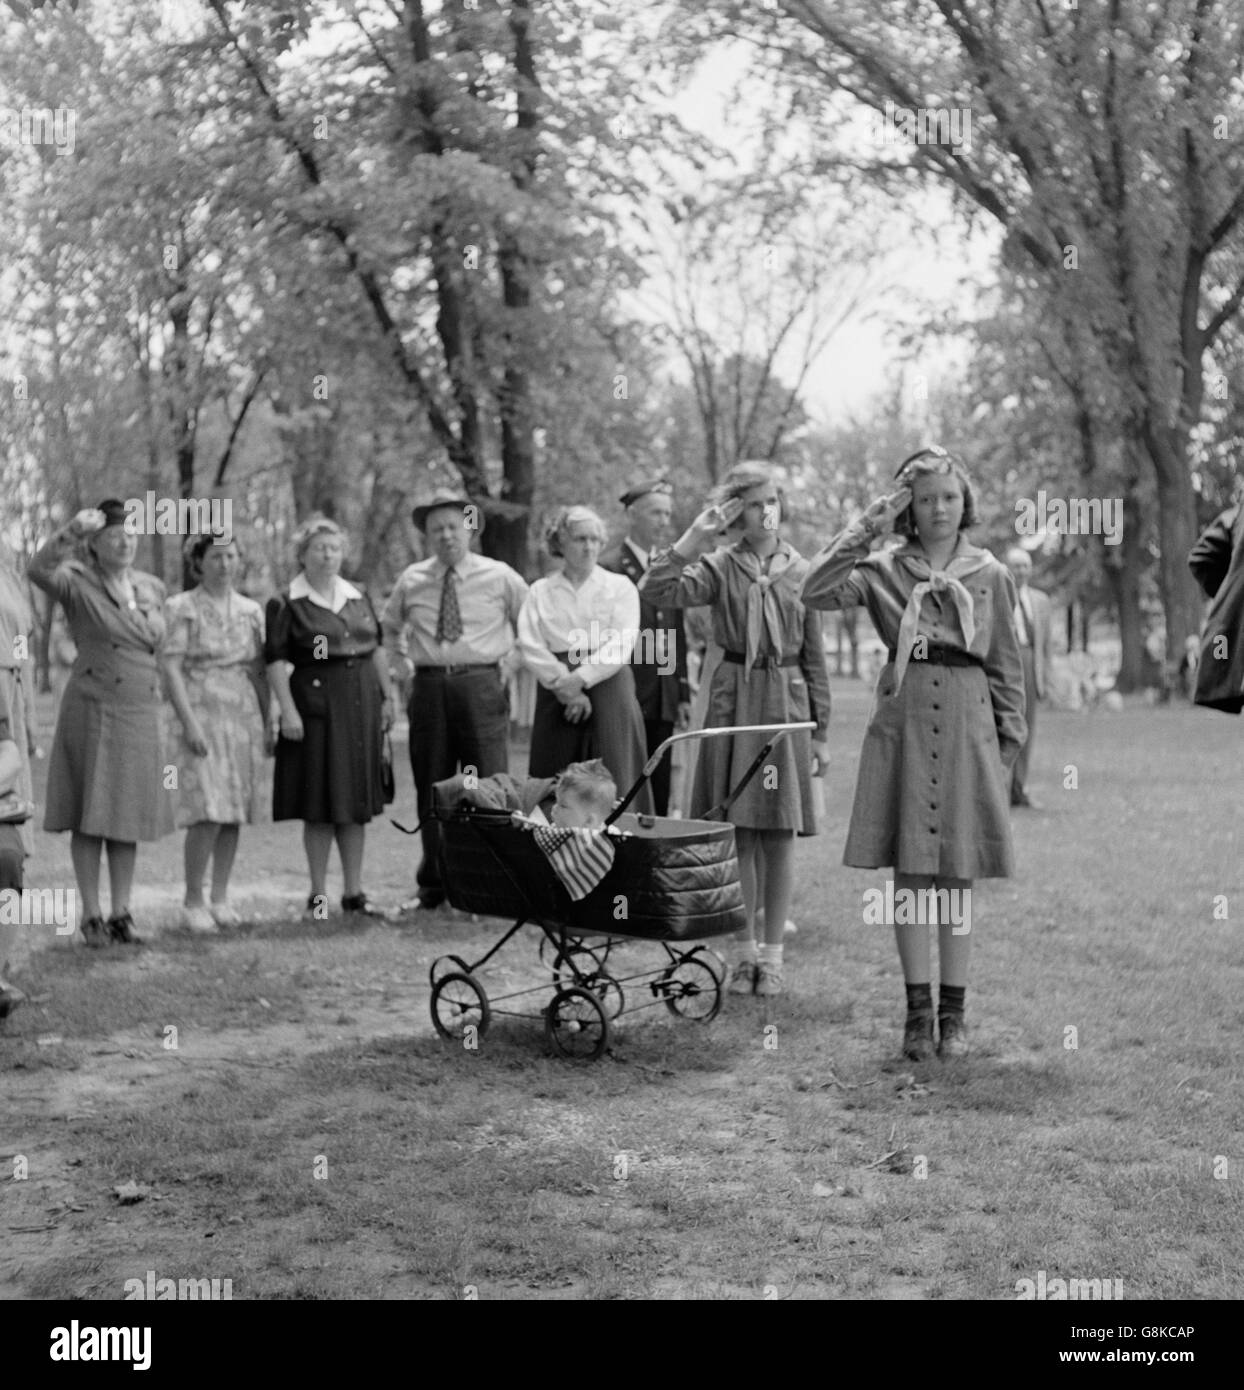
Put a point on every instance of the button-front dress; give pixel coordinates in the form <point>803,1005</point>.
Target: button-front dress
<point>221,646</point>
<point>106,773</point>
<point>333,774</point>
<point>932,797</point>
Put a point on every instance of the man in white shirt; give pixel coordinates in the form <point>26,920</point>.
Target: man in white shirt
<point>451,620</point>
<point>1033,627</point>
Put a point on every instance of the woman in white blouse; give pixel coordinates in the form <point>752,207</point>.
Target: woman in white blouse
<point>576,631</point>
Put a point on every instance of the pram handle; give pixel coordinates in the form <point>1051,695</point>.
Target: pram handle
<point>780,730</point>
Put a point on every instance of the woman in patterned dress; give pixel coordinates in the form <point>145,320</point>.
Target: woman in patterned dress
<point>213,661</point>
<point>106,770</point>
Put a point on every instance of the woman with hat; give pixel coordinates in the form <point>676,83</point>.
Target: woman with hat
<point>576,631</point>
<point>336,706</point>
<point>106,772</point>
<point>947,723</point>
<point>772,671</point>
<point>213,661</point>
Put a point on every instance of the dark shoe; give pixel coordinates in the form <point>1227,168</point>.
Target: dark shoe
<point>1020,799</point>
<point>10,999</point>
<point>358,904</point>
<point>918,1045</point>
<point>95,931</point>
<point>953,1040</point>
<point>316,909</point>
<point>121,929</point>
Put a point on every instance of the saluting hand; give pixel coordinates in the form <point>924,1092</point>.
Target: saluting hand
<point>882,513</point>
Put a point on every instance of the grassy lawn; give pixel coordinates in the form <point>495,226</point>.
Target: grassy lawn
<point>309,1136</point>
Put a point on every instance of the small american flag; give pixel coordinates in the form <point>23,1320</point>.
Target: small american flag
<point>580,857</point>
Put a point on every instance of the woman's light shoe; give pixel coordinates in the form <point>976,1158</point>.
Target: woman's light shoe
<point>199,920</point>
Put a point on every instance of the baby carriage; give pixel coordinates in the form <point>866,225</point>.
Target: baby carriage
<point>672,882</point>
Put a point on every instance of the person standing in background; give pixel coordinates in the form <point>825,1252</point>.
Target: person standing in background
<point>1217,564</point>
<point>1033,628</point>
<point>451,622</point>
<point>106,770</point>
<point>659,661</point>
<point>17,744</point>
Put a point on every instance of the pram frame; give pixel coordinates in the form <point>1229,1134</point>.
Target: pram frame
<point>586,1000</point>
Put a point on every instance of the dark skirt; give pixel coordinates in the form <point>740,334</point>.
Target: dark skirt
<point>333,776</point>
<point>614,733</point>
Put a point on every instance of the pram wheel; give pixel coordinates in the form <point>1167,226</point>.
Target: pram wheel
<point>573,965</point>
<point>459,1003</point>
<point>608,991</point>
<point>441,966</point>
<point>577,1024</point>
<point>692,989</point>
<point>714,962</point>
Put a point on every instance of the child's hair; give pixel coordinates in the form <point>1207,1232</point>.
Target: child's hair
<point>922,464</point>
<point>589,783</point>
<point>743,477</point>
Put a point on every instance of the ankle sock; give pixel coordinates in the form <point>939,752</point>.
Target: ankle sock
<point>771,955</point>
<point>920,998</point>
<point>745,951</point>
<point>950,999</point>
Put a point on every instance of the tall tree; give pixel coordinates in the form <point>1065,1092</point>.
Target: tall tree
<point>1104,138</point>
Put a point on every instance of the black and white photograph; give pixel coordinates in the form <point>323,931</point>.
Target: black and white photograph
<point>621,659</point>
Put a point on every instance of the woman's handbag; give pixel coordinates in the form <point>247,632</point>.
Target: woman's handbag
<point>15,809</point>
<point>388,782</point>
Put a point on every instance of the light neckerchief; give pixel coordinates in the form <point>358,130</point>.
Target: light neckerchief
<point>929,580</point>
<point>764,612</point>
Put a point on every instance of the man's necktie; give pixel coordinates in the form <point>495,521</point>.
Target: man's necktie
<point>449,623</point>
<point>1022,623</point>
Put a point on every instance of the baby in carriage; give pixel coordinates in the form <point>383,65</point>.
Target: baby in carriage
<point>585,794</point>
<point>574,837</point>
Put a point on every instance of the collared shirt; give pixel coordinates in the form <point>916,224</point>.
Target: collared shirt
<point>598,623</point>
<point>643,556</point>
<point>490,595</point>
<point>343,592</point>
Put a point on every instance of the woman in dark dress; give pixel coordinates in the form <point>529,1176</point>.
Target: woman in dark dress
<point>336,705</point>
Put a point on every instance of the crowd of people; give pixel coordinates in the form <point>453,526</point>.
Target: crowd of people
<point>314,683</point>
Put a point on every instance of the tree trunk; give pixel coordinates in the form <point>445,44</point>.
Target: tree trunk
<point>1123,572</point>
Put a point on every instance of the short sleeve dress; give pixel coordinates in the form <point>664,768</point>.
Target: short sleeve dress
<point>772,671</point>
<point>106,770</point>
<point>334,774</point>
<point>221,646</point>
